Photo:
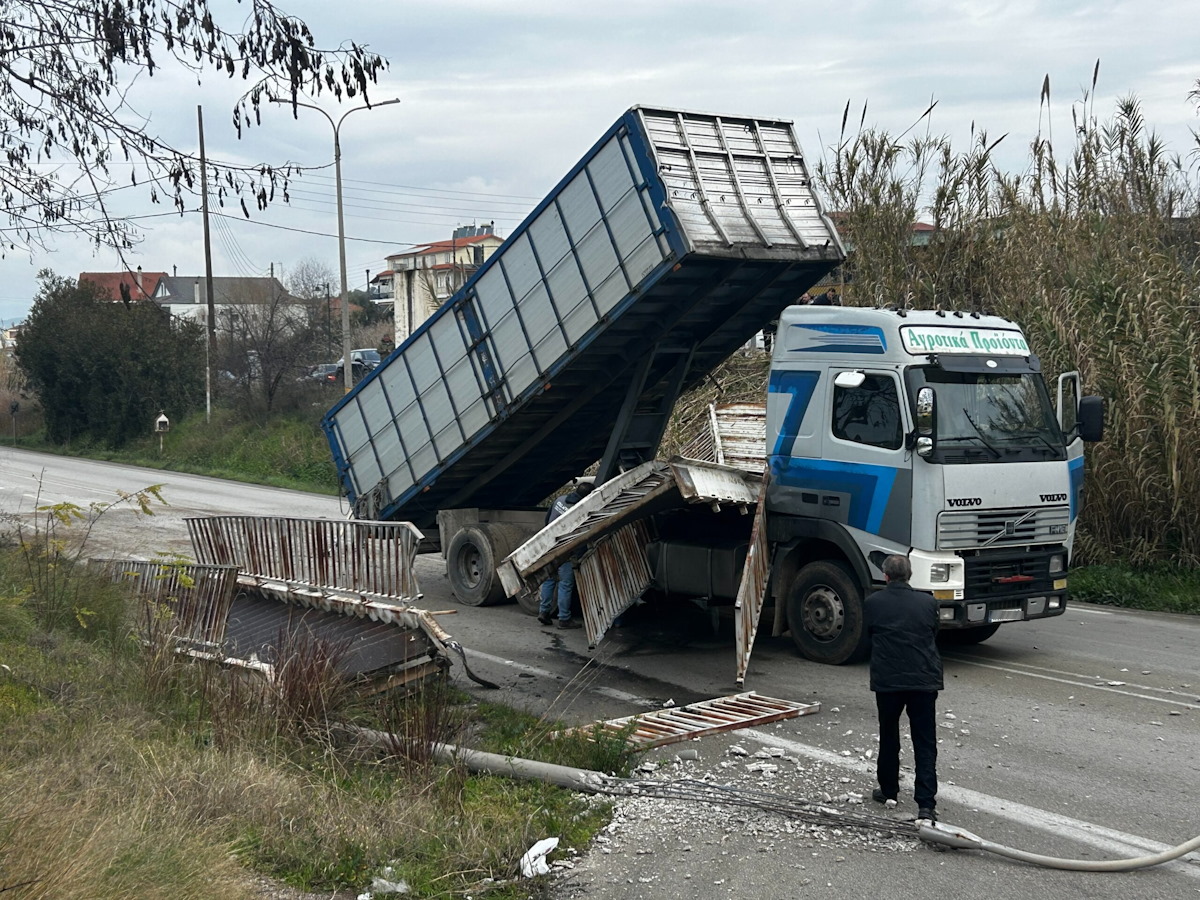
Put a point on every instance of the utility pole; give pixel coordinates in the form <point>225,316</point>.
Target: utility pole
<point>347,368</point>
<point>211,352</point>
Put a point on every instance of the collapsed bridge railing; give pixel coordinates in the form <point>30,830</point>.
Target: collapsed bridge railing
<point>262,585</point>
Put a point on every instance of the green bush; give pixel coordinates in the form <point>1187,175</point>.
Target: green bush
<point>1165,588</point>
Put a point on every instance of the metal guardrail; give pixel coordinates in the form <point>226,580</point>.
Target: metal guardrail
<point>612,575</point>
<point>368,560</point>
<point>188,601</point>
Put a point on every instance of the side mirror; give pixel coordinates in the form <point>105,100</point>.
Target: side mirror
<point>926,421</point>
<point>1068,404</point>
<point>1091,418</point>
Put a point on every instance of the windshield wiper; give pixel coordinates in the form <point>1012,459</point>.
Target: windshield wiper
<point>1036,436</point>
<point>979,430</point>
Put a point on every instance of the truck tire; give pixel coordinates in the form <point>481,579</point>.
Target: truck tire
<point>471,560</point>
<point>966,637</point>
<point>529,601</point>
<point>825,614</point>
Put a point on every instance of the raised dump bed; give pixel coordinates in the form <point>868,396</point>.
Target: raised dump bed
<point>673,240</point>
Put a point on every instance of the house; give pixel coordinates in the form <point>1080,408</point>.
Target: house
<point>128,287</point>
<point>425,277</point>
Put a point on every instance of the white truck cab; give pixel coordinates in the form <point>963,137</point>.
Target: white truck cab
<point>925,433</point>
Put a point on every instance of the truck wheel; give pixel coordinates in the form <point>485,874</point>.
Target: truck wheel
<point>825,614</point>
<point>529,601</point>
<point>965,637</point>
<point>471,560</point>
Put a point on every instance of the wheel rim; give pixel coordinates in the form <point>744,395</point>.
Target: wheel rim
<point>469,566</point>
<point>824,615</point>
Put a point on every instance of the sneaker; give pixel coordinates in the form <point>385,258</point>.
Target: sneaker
<point>568,623</point>
<point>880,797</point>
<point>927,814</point>
<point>544,618</point>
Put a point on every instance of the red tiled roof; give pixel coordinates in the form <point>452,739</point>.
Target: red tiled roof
<point>451,244</point>
<point>110,283</point>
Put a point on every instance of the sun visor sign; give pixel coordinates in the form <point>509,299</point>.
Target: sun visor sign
<point>921,340</point>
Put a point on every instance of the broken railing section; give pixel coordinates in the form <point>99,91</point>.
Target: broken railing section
<point>349,557</point>
<point>669,726</point>
<point>188,601</point>
<point>736,436</point>
<point>607,533</point>
<point>348,585</point>
<point>752,591</point>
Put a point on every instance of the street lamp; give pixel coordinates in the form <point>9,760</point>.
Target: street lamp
<point>347,368</point>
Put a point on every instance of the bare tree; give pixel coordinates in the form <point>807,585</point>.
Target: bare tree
<point>66,112</point>
<point>268,338</point>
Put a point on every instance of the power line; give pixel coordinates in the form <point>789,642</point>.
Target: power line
<point>405,188</point>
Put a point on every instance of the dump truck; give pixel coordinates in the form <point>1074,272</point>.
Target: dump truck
<point>884,431</point>
<point>667,246</point>
<point>675,239</point>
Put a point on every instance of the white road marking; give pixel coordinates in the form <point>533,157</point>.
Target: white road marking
<point>1091,612</point>
<point>513,664</point>
<point>1104,839</point>
<point>1089,685</point>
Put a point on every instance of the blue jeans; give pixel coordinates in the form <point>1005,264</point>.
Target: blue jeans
<point>564,586</point>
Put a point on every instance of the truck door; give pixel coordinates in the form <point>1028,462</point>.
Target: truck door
<point>866,459</point>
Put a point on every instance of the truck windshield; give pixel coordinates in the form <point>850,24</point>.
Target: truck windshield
<point>988,417</point>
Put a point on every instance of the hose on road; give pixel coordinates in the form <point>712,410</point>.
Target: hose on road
<point>961,839</point>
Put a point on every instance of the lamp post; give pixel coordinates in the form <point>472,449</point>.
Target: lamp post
<point>347,367</point>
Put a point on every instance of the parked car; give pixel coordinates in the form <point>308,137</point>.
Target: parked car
<point>320,372</point>
<point>359,372</point>
<point>368,356</point>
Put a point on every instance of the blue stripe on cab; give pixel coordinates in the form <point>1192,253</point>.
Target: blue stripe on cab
<point>836,339</point>
<point>1075,470</point>
<point>868,486</point>
<point>800,385</point>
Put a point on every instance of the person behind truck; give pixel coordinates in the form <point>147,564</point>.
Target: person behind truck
<point>562,584</point>
<point>829,298</point>
<point>906,674</point>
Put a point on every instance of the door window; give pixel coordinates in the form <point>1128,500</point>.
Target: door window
<point>869,413</point>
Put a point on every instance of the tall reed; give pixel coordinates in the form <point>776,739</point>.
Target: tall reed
<point>1094,252</point>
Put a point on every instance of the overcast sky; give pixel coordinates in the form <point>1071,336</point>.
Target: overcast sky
<point>500,99</point>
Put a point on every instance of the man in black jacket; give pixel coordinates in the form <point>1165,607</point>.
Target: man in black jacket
<point>906,674</point>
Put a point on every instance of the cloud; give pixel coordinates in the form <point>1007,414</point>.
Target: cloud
<point>500,100</point>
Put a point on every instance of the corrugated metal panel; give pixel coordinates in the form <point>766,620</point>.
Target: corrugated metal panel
<point>604,270</point>
<point>701,482</point>
<point>753,589</point>
<point>603,510</point>
<point>611,576</point>
<point>264,630</point>
<point>669,726</point>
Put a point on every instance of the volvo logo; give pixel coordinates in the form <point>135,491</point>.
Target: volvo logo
<point>965,501</point>
<point>1054,498</point>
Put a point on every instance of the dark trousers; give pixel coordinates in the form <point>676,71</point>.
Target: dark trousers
<point>921,712</point>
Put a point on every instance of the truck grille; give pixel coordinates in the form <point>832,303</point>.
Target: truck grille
<point>987,577</point>
<point>966,529</point>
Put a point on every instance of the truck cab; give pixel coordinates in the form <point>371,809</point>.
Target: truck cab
<point>924,433</point>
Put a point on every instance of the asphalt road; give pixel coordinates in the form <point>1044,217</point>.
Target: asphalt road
<point>1077,736</point>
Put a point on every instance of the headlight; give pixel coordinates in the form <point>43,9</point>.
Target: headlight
<point>1058,563</point>
<point>940,572</point>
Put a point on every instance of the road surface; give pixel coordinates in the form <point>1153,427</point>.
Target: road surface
<point>1077,736</point>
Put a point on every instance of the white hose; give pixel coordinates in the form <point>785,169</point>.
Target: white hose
<point>960,838</point>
